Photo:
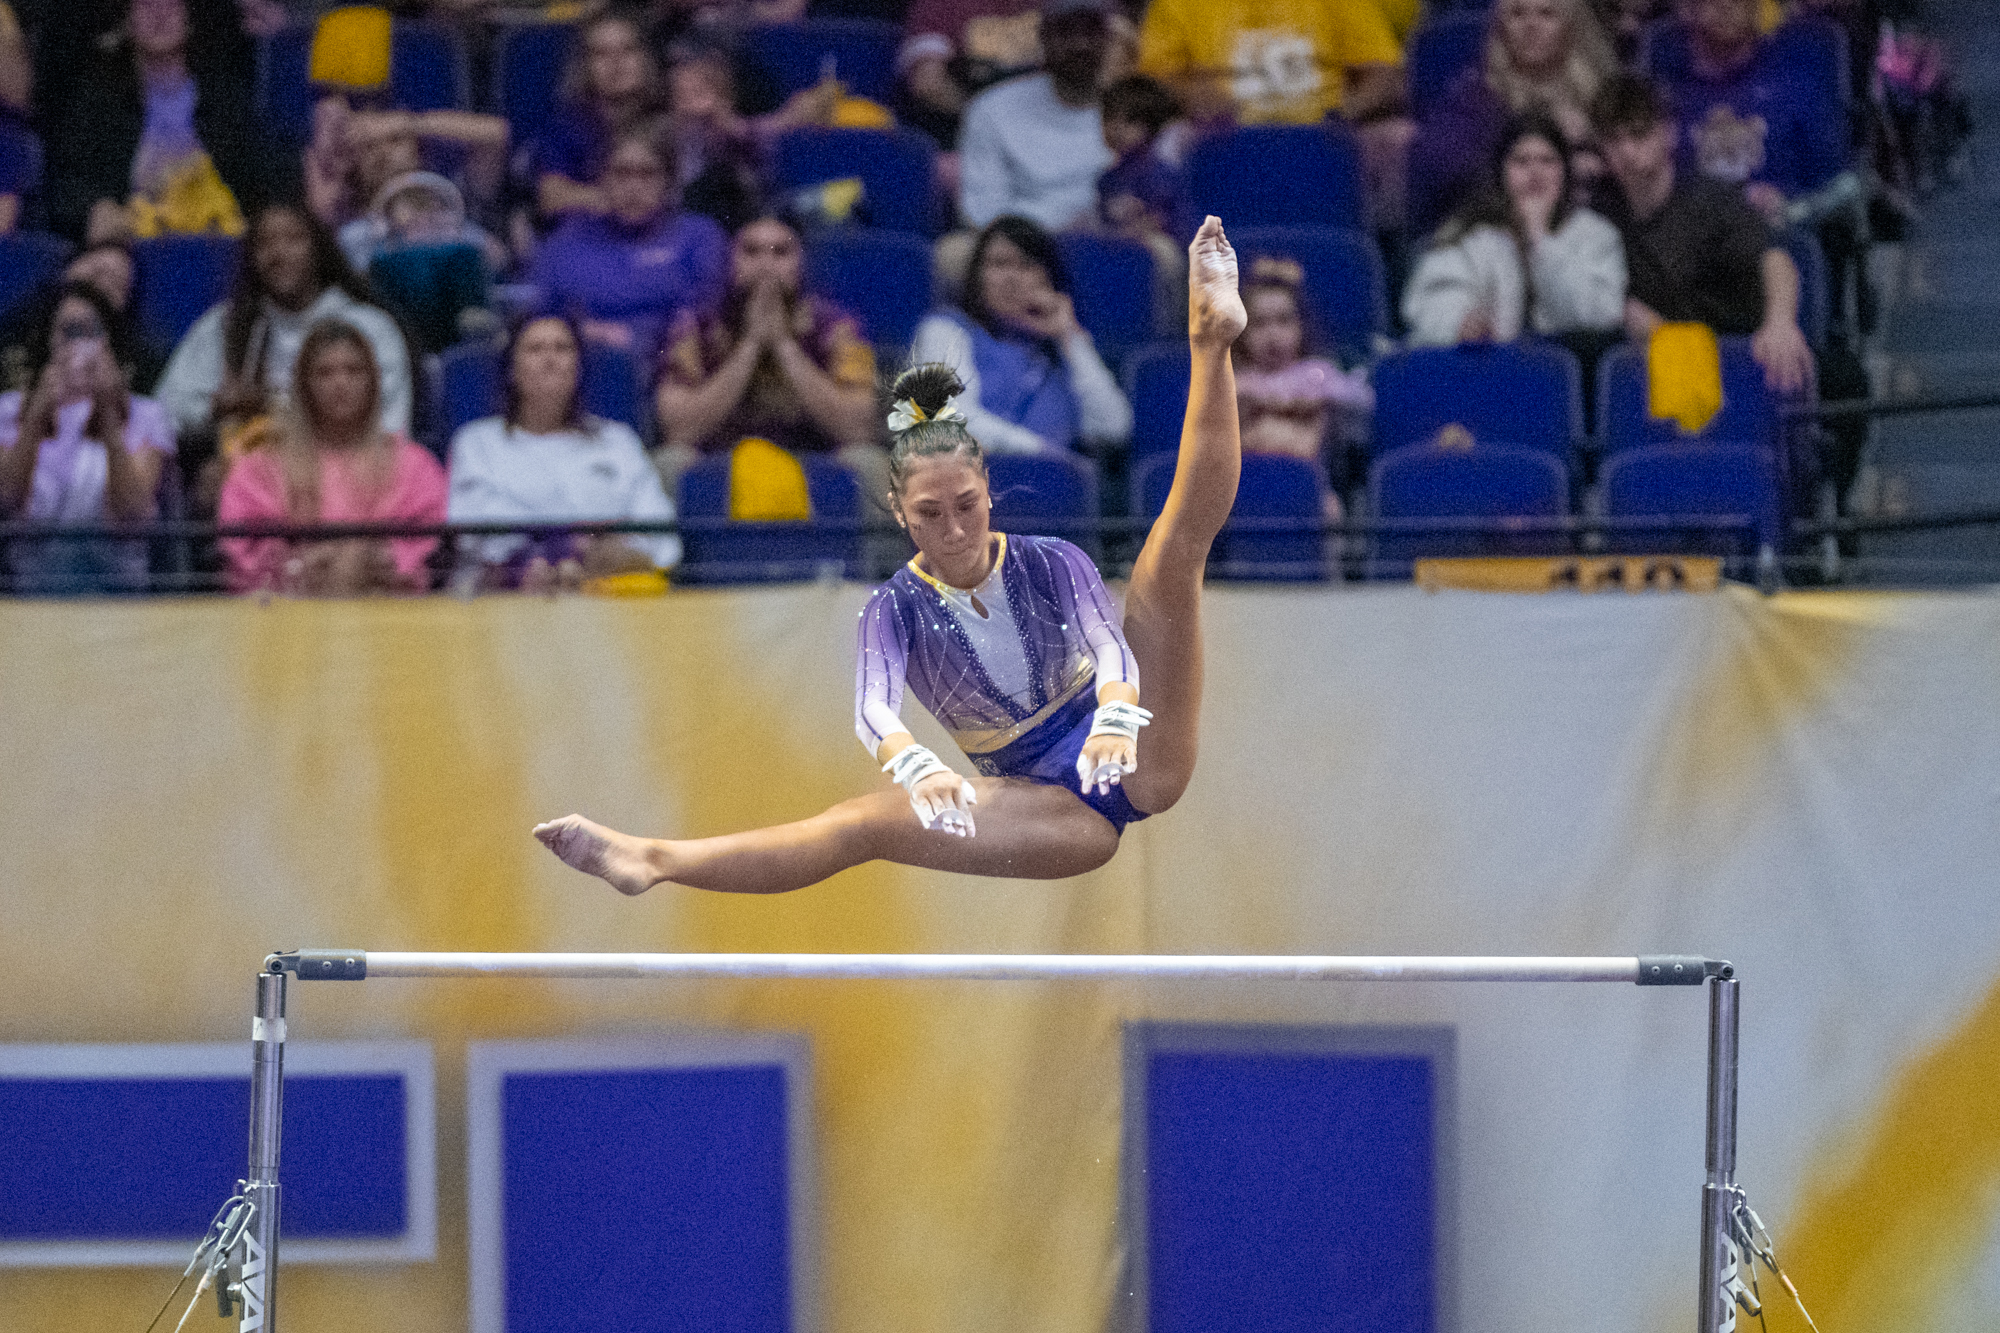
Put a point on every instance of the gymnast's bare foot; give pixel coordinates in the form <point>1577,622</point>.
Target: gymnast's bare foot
<point>624,862</point>
<point>1215,308</point>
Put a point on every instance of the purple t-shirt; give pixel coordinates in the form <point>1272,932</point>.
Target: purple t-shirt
<point>990,680</point>
<point>1767,121</point>
<point>598,268</point>
<point>1451,158</point>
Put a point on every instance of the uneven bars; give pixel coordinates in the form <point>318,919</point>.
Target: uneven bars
<point>360,965</point>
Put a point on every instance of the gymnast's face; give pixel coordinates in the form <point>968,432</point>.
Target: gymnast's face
<point>944,506</point>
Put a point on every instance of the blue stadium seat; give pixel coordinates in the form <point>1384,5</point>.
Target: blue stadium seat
<point>1111,281</point>
<point>897,169</point>
<point>528,63</point>
<point>1814,299</point>
<point>862,53</point>
<point>1048,495</point>
<point>1496,481</point>
<point>29,261</point>
<point>175,279</point>
<point>1345,286</point>
<point>883,278</point>
<point>1694,480</point>
<point>769,552</point>
<point>1439,51</point>
<point>1528,395</point>
<point>1275,530</point>
<point>427,72</point>
<point>469,385</point>
<point>1749,415</point>
<point>1156,384</point>
<point>1278,175</point>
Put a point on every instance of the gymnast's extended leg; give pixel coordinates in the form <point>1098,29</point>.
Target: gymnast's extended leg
<point>1026,831</point>
<point>1163,603</point>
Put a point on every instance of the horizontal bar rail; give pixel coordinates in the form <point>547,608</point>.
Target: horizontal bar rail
<point>1836,409</point>
<point>360,965</point>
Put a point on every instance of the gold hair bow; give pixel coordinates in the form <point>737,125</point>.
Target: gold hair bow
<point>906,414</point>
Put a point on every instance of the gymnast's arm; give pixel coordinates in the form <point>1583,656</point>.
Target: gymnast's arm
<point>1090,609</point>
<point>941,798</point>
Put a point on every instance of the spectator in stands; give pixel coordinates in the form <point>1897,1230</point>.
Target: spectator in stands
<point>1289,400</point>
<point>1033,378</point>
<point>612,86</point>
<point>953,49</point>
<point>718,149</point>
<point>155,134</point>
<point>331,461</point>
<point>418,208</point>
<point>1291,61</point>
<point>57,463</point>
<point>17,75</point>
<point>236,362</point>
<point>1034,146</point>
<point>627,273</point>
<point>18,179</point>
<point>776,363</point>
<point>1546,55</point>
<point>545,459</point>
<point>108,267</point>
<point>1141,195</point>
<point>1523,258</point>
<point>356,156</point>
<point>1749,115</point>
<point>1694,250</point>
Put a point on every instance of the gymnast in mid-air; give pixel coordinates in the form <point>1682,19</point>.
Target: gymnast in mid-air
<point>1015,647</point>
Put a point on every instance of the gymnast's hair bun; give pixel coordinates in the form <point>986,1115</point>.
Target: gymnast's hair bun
<point>931,386</point>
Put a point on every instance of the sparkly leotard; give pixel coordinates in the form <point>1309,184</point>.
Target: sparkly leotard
<point>1011,668</point>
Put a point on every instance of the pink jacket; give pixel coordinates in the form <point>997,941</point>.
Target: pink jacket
<point>255,493</point>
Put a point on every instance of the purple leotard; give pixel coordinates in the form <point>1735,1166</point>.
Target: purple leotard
<point>1017,688</point>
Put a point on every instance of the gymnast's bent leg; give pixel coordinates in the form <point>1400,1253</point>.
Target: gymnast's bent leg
<point>1027,830</point>
<point>1163,603</point>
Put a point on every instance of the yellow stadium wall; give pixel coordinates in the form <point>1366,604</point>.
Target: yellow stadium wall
<point>1806,784</point>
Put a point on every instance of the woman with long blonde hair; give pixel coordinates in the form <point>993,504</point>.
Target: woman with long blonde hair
<point>1546,56</point>
<point>327,460</point>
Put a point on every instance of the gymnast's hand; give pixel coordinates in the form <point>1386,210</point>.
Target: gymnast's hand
<point>944,801</point>
<point>1106,758</point>
<point>1215,308</point>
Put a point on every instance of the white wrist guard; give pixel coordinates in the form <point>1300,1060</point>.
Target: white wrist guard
<point>1119,718</point>
<point>1116,718</point>
<point>911,765</point>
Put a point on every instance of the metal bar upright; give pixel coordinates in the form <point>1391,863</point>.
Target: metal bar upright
<point>1718,1250</point>
<point>256,1278</point>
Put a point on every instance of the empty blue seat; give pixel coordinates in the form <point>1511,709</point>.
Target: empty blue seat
<point>469,385</point>
<point>1345,286</point>
<point>1156,384</point>
<point>883,278</point>
<point>1487,481</point>
<point>720,551</point>
<point>1111,281</point>
<point>1749,415</point>
<point>177,278</point>
<point>897,170</point>
<point>427,72</point>
<point>1440,50</point>
<point>1278,175</point>
<point>1276,530</point>
<point>861,53</point>
<point>528,64</point>
<point>1528,395</point>
<point>1048,495</point>
<point>1694,481</point>
<point>29,261</point>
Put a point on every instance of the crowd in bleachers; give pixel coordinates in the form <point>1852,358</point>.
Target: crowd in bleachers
<point>1505,266</point>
